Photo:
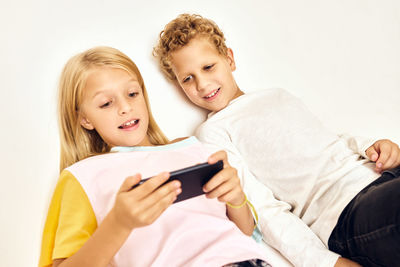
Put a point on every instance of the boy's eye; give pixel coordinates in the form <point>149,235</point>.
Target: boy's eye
<point>106,104</point>
<point>188,78</point>
<point>208,67</point>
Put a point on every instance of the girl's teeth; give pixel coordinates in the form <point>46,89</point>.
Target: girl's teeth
<point>130,123</point>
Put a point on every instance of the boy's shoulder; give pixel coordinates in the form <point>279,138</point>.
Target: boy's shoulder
<point>270,92</point>
<point>249,101</point>
<point>252,104</point>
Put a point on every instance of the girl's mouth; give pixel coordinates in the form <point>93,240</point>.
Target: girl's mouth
<point>129,124</point>
<point>213,95</point>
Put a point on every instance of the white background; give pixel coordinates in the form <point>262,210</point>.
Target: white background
<point>341,57</point>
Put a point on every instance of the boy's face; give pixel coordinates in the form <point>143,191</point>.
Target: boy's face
<point>205,75</point>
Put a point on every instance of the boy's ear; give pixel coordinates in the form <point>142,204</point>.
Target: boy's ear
<point>231,59</point>
<point>85,123</point>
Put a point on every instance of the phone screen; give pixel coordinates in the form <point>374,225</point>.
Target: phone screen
<point>192,179</point>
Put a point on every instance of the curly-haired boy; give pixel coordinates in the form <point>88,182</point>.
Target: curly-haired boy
<point>319,190</point>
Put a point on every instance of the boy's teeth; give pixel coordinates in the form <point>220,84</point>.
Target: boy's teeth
<point>211,95</point>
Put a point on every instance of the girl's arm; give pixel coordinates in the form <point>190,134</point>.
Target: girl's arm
<point>132,209</point>
<point>225,186</point>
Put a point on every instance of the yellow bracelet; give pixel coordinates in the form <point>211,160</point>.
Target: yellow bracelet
<point>253,210</point>
<point>254,213</point>
<point>238,206</point>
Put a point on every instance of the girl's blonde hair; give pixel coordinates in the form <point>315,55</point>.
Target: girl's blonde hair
<point>179,32</point>
<point>77,142</point>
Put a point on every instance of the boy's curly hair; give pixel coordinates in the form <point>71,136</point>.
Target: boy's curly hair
<point>179,32</point>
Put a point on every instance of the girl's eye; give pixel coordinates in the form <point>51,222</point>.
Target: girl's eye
<point>105,104</point>
<point>208,67</point>
<point>133,94</point>
<point>188,78</point>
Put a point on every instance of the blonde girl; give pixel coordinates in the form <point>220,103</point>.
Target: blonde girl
<point>108,138</point>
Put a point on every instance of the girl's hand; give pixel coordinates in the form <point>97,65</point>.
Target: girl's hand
<point>142,205</point>
<point>385,153</point>
<point>225,185</point>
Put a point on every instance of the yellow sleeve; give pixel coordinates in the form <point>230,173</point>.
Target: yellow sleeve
<point>70,221</point>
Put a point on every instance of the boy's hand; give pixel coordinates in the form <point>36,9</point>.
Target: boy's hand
<point>225,185</point>
<point>385,153</point>
<point>142,205</point>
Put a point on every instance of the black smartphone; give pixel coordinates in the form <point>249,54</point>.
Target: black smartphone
<point>192,178</point>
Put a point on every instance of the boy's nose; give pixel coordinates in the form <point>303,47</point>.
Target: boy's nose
<point>202,83</point>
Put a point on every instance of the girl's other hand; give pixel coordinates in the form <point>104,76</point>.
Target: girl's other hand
<point>385,153</point>
<point>225,185</point>
<point>142,205</point>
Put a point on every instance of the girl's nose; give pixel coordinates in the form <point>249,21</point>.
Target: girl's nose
<point>124,107</point>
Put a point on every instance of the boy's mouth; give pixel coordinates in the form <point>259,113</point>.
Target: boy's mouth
<point>212,95</point>
<point>129,124</point>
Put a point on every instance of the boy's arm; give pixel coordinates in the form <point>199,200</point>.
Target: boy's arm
<point>281,229</point>
<point>357,144</point>
<point>285,231</point>
<point>384,152</point>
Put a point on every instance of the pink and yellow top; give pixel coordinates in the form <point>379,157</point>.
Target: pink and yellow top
<point>194,232</point>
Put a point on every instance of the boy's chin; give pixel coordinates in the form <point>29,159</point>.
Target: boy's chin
<point>214,108</point>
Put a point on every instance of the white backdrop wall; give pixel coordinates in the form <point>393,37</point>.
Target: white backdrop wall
<point>341,57</point>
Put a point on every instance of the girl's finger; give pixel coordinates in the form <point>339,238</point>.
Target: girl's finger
<point>219,155</point>
<point>173,187</point>
<point>218,179</point>
<point>234,197</point>
<point>150,185</point>
<point>154,211</point>
<point>129,182</point>
<point>220,190</point>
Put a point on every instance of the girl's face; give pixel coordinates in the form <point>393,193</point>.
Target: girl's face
<point>113,105</point>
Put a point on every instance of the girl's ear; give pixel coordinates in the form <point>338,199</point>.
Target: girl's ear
<point>231,59</point>
<point>85,122</point>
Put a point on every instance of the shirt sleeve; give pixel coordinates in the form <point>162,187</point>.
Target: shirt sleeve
<point>70,221</point>
<point>280,228</point>
<point>358,144</point>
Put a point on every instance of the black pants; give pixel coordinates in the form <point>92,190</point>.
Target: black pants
<point>368,230</point>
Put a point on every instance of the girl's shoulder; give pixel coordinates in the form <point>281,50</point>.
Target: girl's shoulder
<point>178,139</point>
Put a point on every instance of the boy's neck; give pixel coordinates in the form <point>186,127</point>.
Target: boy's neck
<point>238,93</point>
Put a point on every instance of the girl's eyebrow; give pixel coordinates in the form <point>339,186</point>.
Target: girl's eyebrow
<point>98,93</point>
<point>132,80</point>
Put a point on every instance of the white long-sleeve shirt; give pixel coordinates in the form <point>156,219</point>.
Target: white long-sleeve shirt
<point>297,173</point>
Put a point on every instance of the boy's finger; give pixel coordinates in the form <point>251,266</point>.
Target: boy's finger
<point>371,153</point>
<point>383,156</point>
<point>129,182</point>
<point>391,161</point>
